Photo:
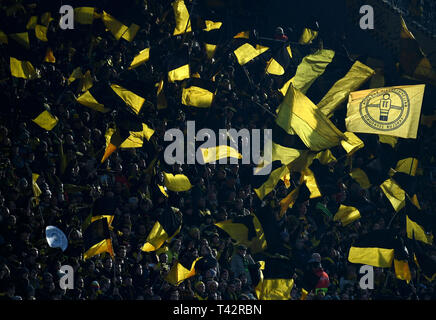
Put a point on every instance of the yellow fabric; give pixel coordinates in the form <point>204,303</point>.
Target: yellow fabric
<point>22,38</point>
<point>402,270</point>
<point>46,18</point>
<point>131,99</point>
<point>272,181</point>
<point>183,22</point>
<point>361,178</point>
<point>377,257</point>
<point>142,57</point>
<point>211,25</point>
<point>102,246</point>
<point>179,74</point>
<point>273,67</point>
<point>288,201</point>
<point>284,154</point>
<point>41,32</point>
<point>84,15</point>
<point>75,75</point>
<point>117,28</point>
<point>338,93</point>
<point>215,153</point>
<point>46,120</point>
<point>392,111</point>
<point>414,230</point>
<point>197,97</point>
<point>308,36</point>
<point>160,97</point>
<point>36,190</point>
<point>346,215</point>
<point>392,141</point>
<point>109,219</point>
<point>177,183</point>
<point>407,166</point>
<point>352,144</point>
<point>210,50</point>
<point>22,69</point>
<point>155,238</point>
<point>163,190</point>
<point>311,67</point>
<point>308,177</point>
<point>325,157</point>
<point>89,101</point>
<point>247,52</point>
<point>31,24</point>
<point>394,193</point>
<point>274,289</point>
<point>131,32</point>
<point>298,113</point>
<point>179,273</point>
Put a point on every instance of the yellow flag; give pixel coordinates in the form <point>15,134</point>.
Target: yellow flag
<point>197,97</point>
<point>212,25</point>
<point>392,141</point>
<point>284,154</point>
<point>310,68</point>
<point>89,101</point>
<point>299,114</point>
<point>131,32</point>
<point>131,99</point>
<point>22,38</point>
<point>215,153</point>
<point>407,166</point>
<point>84,15</point>
<point>117,28</point>
<point>247,52</point>
<point>392,111</point>
<point>308,177</point>
<point>346,214</point>
<point>414,230</point>
<point>338,93</point>
<point>179,273</point>
<point>394,193</point>
<point>177,183</point>
<point>289,201</point>
<point>46,120</point>
<point>22,69</point>
<point>36,190</point>
<point>31,24</point>
<point>183,23</point>
<point>179,74</point>
<point>352,143</point>
<point>361,178</point>
<point>142,57</point>
<point>308,36</point>
<point>41,32</point>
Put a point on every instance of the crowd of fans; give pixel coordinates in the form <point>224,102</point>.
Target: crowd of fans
<point>30,269</point>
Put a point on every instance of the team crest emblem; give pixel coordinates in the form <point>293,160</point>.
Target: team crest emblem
<point>385,109</point>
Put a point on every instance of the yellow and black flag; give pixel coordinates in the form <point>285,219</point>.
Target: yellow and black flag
<point>166,227</point>
<point>425,262</point>
<point>245,230</point>
<point>104,208</point>
<point>375,248</point>
<point>178,65</point>
<point>280,61</point>
<point>420,225</point>
<point>97,239</point>
<point>120,29</point>
<point>401,263</point>
<point>198,93</point>
<point>247,52</point>
<point>350,211</point>
<point>182,18</point>
<point>267,177</point>
<point>274,279</point>
<point>181,271</point>
<point>139,59</point>
<point>130,132</point>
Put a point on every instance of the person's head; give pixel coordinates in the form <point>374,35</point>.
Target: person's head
<point>212,286</point>
<point>200,287</point>
<point>242,250</point>
<point>174,294</point>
